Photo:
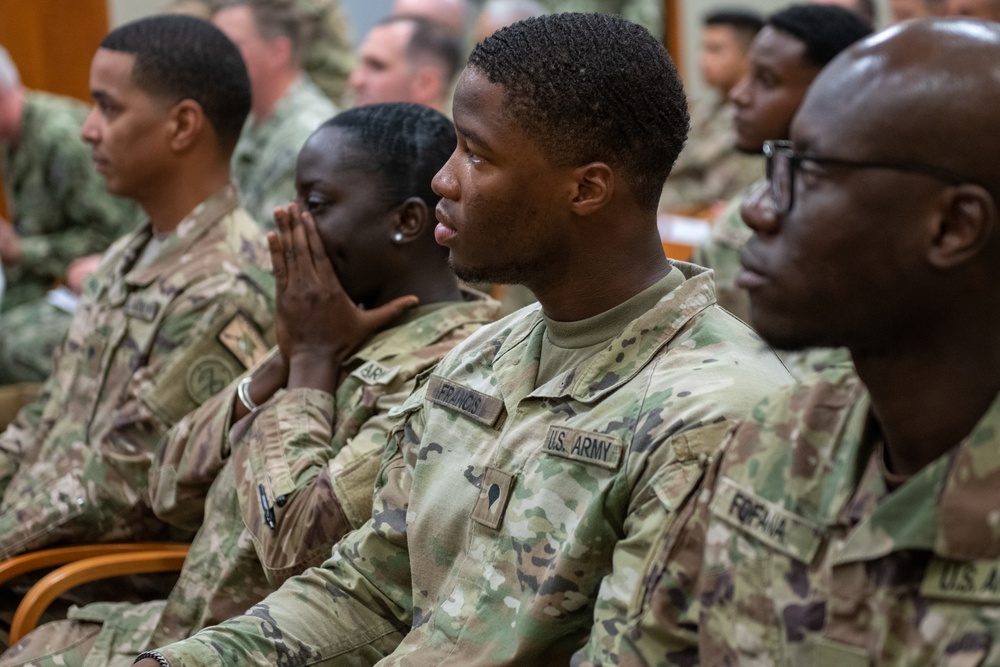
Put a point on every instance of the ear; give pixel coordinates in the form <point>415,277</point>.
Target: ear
<point>593,188</point>
<point>966,223</point>
<point>187,120</point>
<point>411,220</point>
<point>427,85</point>
<point>280,50</point>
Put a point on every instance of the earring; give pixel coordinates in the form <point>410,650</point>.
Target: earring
<point>397,237</point>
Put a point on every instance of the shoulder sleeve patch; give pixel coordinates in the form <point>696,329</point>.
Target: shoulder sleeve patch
<point>207,377</point>
<point>241,338</point>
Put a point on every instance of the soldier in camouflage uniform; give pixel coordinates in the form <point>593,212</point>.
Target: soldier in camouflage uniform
<point>785,57</point>
<point>531,470</point>
<point>287,107</point>
<point>327,52</point>
<point>311,455</point>
<point>853,519</point>
<point>59,207</point>
<point>710,169</point>
<point>154,334</point>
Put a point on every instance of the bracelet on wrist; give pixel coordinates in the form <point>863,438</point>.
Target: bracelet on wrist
<point>155,655</point>
<point>243,392</point>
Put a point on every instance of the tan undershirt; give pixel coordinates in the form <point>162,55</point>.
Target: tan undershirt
<point>568,344</point>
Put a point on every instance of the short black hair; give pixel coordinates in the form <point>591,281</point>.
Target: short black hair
<point>405,143</point>
<point>826,30</point>
<point>591,87</point>
<point>273,19</point>
<point>746,23</point>
<point>181,57</point>
<point>431,39</point>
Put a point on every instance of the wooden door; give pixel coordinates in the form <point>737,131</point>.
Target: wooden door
<point>52,43</point>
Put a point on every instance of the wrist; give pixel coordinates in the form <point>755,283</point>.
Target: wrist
<point>313,369</point>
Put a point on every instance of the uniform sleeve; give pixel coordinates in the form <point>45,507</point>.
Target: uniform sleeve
<point>188,460</point>
<point>359,601</point>
<point>97,490</point>
<point>666,487</point>
<point>300,488</point>
<point>21,437</point>
<point>662,629</point>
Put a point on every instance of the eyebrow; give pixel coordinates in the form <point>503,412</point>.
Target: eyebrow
<point>100,95</point>
<point>471,136</point>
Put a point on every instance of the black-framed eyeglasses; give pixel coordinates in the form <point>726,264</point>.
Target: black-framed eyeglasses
<point>783,162</point>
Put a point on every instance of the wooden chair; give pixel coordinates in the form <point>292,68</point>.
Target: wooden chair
<point>79,565</point>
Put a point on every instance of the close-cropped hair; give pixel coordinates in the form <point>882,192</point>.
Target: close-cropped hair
<point>406,144</point>
<point>181,57</point>
<point>591,87</point>
<point>431,40</point>
<point>825,30</point>
<point>746,23</point>
<point>273,19</point>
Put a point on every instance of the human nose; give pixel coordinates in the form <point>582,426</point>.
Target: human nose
<point>758,212</point>
<point>89,132</point>
<point>445,183</point>
<point>739,94</point>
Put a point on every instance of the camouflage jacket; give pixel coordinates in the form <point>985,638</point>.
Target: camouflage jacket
<point>511,521</point>
<point>57,201</point>
<point>327,53</point>
<point>709,170</point>
<point>647,13</point>
<point>147,345</point>
<point>804,557</point>
<point>265,156</point>
<point>318,453</point>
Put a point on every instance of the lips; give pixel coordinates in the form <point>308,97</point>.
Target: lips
<point>443,231</point>
<point>100,164</point>
<point>752,274</point>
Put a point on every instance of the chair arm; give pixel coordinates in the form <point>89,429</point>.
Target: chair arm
<point>57,582</point>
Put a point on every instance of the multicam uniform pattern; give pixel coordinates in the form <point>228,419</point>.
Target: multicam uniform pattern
<point>265,156</point>
<point>709,170</point>
<point>57,201</point>
<point>803,556</point>
<point>318,453</point>
<point>148,344</point>
<point>511,521</point>
<point>327,54</point>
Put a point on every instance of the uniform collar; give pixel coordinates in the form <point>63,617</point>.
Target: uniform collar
<point>181,241</point>
<point>951,507</point>
<point>428,326</point>
<point>626,355</point>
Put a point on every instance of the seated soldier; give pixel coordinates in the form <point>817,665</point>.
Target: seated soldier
<point>297,473</point>
<point>406,59</point>
<point>710,169</point>
<point>60,211</point>
<point>158,328</point>
<point>59,208</point>
<point>325,39</point>
<point>286,105</point>
<point>855,522</point>
<point>285,108</point>
<point>529,474</point>
<point>787,54</point>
